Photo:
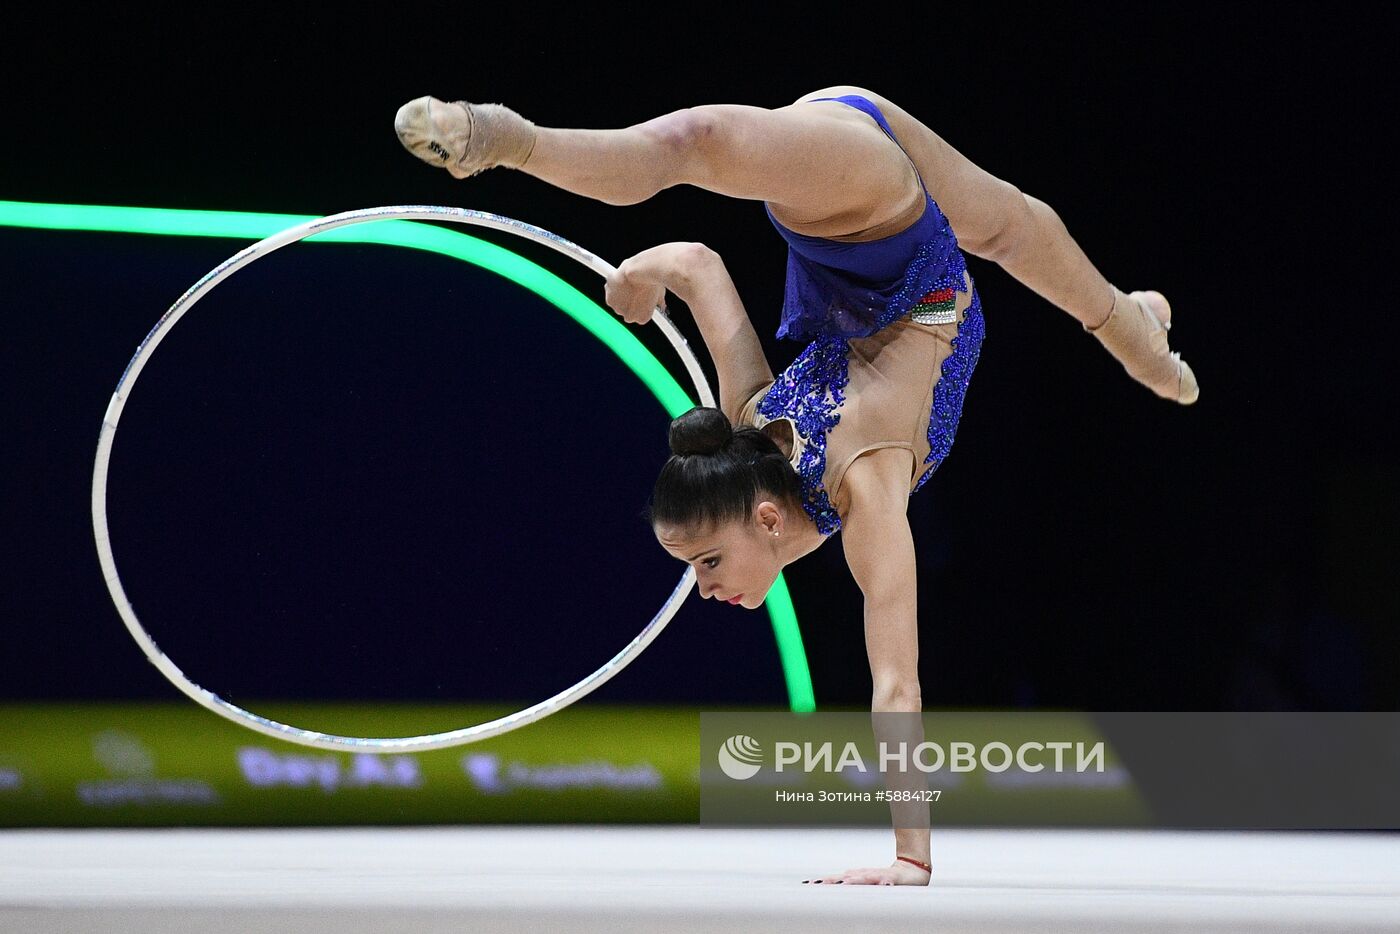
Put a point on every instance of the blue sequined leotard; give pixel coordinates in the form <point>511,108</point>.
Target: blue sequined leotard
<point>894,328</point>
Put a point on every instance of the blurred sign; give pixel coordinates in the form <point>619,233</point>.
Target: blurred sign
<point>156,764</point>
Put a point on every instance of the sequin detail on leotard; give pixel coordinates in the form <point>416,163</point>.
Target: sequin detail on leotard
<point>942,254</point>
<point>951,388</point>
<point>937,307</point>
<point>809,392</point>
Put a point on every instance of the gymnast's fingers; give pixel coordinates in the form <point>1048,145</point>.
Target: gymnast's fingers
<point>634,302</point>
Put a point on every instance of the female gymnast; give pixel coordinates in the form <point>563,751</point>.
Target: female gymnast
<point>868,199</point>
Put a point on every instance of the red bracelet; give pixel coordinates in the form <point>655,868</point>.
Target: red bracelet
<point>924,866</point>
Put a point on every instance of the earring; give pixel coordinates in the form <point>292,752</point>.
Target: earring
<point>777,533</point>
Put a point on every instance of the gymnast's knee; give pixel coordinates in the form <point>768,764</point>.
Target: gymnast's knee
<point>681,138</point>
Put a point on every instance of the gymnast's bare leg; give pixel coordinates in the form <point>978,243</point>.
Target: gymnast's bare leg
<point>826,170</point>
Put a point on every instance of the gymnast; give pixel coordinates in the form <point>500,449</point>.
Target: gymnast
<point>877,210</point>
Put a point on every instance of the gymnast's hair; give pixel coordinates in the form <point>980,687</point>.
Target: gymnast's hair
<point>716,472</point>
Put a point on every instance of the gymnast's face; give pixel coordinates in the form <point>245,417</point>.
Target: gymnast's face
<point>738,559</point>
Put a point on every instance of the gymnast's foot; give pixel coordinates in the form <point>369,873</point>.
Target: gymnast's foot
<point>1135,333</point>
<point>464,138</point>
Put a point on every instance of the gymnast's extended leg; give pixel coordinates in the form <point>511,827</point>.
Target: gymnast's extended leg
<point>812,163</point>
<point>823,167</point>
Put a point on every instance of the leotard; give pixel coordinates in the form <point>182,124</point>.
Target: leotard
<point>894,328</point>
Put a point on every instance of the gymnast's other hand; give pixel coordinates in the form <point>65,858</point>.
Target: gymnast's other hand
<point>897,873</point>
<point>633,297</point>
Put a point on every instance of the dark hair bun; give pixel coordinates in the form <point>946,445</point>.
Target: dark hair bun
<point>702,430</point>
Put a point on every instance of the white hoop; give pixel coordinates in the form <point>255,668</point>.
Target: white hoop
<point>310,737</point>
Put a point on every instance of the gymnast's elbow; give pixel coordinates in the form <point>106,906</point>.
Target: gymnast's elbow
<point>694,261</point>
<point>698,256</point>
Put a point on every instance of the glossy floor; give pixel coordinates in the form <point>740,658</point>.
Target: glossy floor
<point>620,879</point>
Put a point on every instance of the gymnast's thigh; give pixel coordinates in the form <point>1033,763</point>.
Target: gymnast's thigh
<point>812,162</point>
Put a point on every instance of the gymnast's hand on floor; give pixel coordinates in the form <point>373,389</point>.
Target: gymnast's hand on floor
<point>897,873</point>
<point>633,297</point>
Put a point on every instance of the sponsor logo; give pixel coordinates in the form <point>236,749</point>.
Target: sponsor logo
<point>133,767</point>
<point>122,754</point>
<point>263,768</point>
<point>490,775</point>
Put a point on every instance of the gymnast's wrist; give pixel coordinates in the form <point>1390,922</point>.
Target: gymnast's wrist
<point>925,866</point>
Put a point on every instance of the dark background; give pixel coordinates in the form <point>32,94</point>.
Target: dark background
<point>353,473</point>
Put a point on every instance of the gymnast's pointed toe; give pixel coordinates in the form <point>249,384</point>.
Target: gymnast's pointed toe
<point>462,137</point>
<point>1135,333</point>
<point>420,134</point>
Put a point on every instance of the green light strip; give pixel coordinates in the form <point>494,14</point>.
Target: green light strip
<point>600,323</point>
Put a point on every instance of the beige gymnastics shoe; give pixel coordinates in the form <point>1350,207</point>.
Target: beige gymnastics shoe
<point>464,138</point>
<point>1136,335</point>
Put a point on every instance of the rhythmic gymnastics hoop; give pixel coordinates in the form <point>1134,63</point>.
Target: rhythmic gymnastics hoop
<point>329,740</point>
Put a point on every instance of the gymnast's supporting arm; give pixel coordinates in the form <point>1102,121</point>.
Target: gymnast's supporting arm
<point>879,548</point>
